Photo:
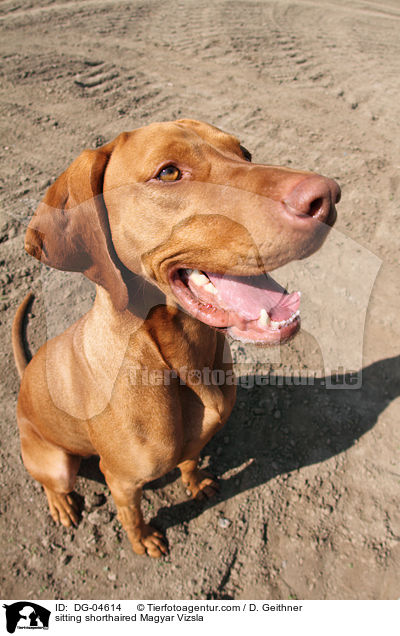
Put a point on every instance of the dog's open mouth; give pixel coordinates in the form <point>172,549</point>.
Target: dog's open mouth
<point>252,308</point>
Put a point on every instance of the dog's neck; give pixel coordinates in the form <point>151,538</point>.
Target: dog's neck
<point>149,309</point>
<point>143,296</point>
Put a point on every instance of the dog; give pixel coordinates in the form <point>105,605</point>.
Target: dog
<point>179,230</point>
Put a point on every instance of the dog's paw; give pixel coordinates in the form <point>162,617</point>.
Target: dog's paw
<point>151,542</point>
<point>63,508</point>
<point>201,485</point>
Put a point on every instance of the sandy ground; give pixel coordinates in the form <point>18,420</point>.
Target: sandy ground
<point>309,502</point>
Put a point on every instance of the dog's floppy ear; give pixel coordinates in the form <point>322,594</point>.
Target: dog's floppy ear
<point>70,229</point>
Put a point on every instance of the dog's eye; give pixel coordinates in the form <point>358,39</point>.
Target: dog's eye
<point>169,173</point>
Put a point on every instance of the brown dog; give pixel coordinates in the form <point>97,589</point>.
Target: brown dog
<point>177,228</point>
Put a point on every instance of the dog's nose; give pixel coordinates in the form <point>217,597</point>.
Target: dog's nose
<point>314,197</point>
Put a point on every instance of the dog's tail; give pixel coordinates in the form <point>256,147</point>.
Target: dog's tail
<point>17,335</point>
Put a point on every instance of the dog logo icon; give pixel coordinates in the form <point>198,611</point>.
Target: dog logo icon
<point>26,615</point>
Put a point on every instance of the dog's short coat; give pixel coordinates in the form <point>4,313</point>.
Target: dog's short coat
<point>139,217</point>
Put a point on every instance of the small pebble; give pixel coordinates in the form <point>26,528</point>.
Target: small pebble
<point>224,523</point>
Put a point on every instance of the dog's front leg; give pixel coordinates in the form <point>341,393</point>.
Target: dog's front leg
<point>144,539</point>
<point>205,416</point>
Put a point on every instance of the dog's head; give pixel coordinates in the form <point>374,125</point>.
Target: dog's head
<point>181,204</point>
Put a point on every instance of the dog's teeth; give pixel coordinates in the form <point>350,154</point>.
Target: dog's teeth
<point>264,319</point>
<point>276,324</point>
<point>201,280</point>
<point>198,278</point>
<point>294,316</point>
<point>210,288</point>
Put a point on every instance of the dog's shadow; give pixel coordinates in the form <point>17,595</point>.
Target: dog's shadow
<point>280,428</point>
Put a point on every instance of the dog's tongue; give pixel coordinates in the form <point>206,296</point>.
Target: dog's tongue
<point>248,295</point>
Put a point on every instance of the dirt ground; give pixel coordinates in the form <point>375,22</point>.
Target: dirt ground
<point>310,476</point>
